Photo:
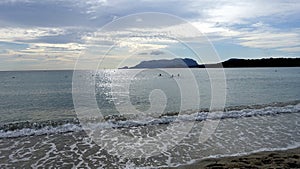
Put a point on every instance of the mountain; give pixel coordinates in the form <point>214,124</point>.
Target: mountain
<point>164,63</point>
<point>231,63</point>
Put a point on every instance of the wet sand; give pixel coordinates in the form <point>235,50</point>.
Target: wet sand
<point>273,159</point>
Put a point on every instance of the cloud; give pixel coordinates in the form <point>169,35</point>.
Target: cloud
<point>96,13</point>
<point>257,35</point>
<point>269,39</point>
<point>295,49</point>
<point>243,11</point>
<point>60,30</point>
<point>39,42</point>
<point>15,34</point>
<point>47,13</point>
<point>157,52</point>
<point>143,53</point>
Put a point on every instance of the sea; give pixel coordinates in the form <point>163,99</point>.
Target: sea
<point>151,118</point>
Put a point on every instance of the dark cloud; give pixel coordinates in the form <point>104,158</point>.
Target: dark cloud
<point>143,53</point>
<point>53,13</point>
<point>157,52</point>
<point>43,13</point>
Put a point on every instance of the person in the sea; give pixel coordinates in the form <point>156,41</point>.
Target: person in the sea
<point>159,74</point>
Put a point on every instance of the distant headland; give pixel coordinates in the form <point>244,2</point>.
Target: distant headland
<point>231,63</point>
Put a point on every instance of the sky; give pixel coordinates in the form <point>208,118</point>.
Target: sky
<point>88,34</point>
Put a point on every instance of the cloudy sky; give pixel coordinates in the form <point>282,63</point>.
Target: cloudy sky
<point>53,34</point>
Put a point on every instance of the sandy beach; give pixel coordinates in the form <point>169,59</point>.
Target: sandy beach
<point>271,159</point>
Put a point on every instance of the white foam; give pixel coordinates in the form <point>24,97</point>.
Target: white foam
<point>46,130</point>
<point>198,116</point>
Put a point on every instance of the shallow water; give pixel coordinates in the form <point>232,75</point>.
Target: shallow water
<point>232,136</point>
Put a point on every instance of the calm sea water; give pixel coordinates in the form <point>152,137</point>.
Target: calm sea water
<point>39,125</point>
<point>43,95</point>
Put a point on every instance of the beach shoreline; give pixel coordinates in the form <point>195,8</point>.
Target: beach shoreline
<point>268,159</point>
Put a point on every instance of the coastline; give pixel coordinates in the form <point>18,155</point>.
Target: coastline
<point>268,159</point>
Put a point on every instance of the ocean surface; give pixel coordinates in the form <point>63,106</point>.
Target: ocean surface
<point>39,126</point>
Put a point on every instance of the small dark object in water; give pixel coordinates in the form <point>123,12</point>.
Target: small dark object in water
<point>159,74</point>
<point>178,74</point>
<point>172,76</point>
<point>13,77</point>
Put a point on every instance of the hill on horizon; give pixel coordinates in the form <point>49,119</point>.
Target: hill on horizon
<point>230,63</point>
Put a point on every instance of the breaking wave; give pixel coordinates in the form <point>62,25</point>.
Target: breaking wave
<point>19,129</point>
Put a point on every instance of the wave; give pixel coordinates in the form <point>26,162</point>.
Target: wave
<point>27,128</point>
<point>37,125</point>
<point>237,112</point>
<point>42,131</point>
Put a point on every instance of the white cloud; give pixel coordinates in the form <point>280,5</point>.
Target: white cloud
<point>14,1</point>
<point>269,39</point>
<point>15,34</point>
<point>36,50</point>
<point>290,49</point>
<point>233,12</point>
<point>258,35</point>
